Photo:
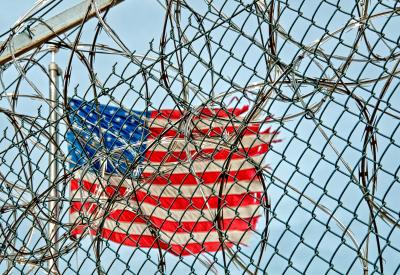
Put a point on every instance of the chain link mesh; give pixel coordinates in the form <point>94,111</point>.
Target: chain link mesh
<point>321,76</point>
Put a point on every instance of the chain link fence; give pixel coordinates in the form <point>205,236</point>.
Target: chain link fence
<point>202,137</point>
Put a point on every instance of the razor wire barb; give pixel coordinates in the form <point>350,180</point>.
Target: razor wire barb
<point>320,76</point>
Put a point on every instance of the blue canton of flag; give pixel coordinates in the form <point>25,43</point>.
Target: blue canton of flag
<point>106,135</point>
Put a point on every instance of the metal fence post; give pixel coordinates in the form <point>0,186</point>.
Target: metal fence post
<point>53,163</point>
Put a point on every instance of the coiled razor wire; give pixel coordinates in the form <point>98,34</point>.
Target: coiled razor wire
<point>323,74</point>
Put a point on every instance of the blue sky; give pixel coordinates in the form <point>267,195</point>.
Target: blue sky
<point>301,160</point>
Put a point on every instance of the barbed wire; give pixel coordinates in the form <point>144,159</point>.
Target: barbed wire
<point>314,82</point>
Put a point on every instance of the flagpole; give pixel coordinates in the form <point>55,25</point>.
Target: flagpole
<point>54,73</point>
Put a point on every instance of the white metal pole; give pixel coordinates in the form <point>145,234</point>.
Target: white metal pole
<point>53,163</point>
<point>47,30</point>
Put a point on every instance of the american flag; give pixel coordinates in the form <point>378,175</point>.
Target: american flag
<point>184,183</point>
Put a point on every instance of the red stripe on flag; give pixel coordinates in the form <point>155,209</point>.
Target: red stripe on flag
<point>215,154</point>
<point>171,130</point>
<point>240,224</point>
<point>205,112</point>
<point>151,242</point>
<point>204,177</point>
<point>187,203</point>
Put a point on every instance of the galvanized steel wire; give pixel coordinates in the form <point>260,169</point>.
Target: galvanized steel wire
<point>324,73</point>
